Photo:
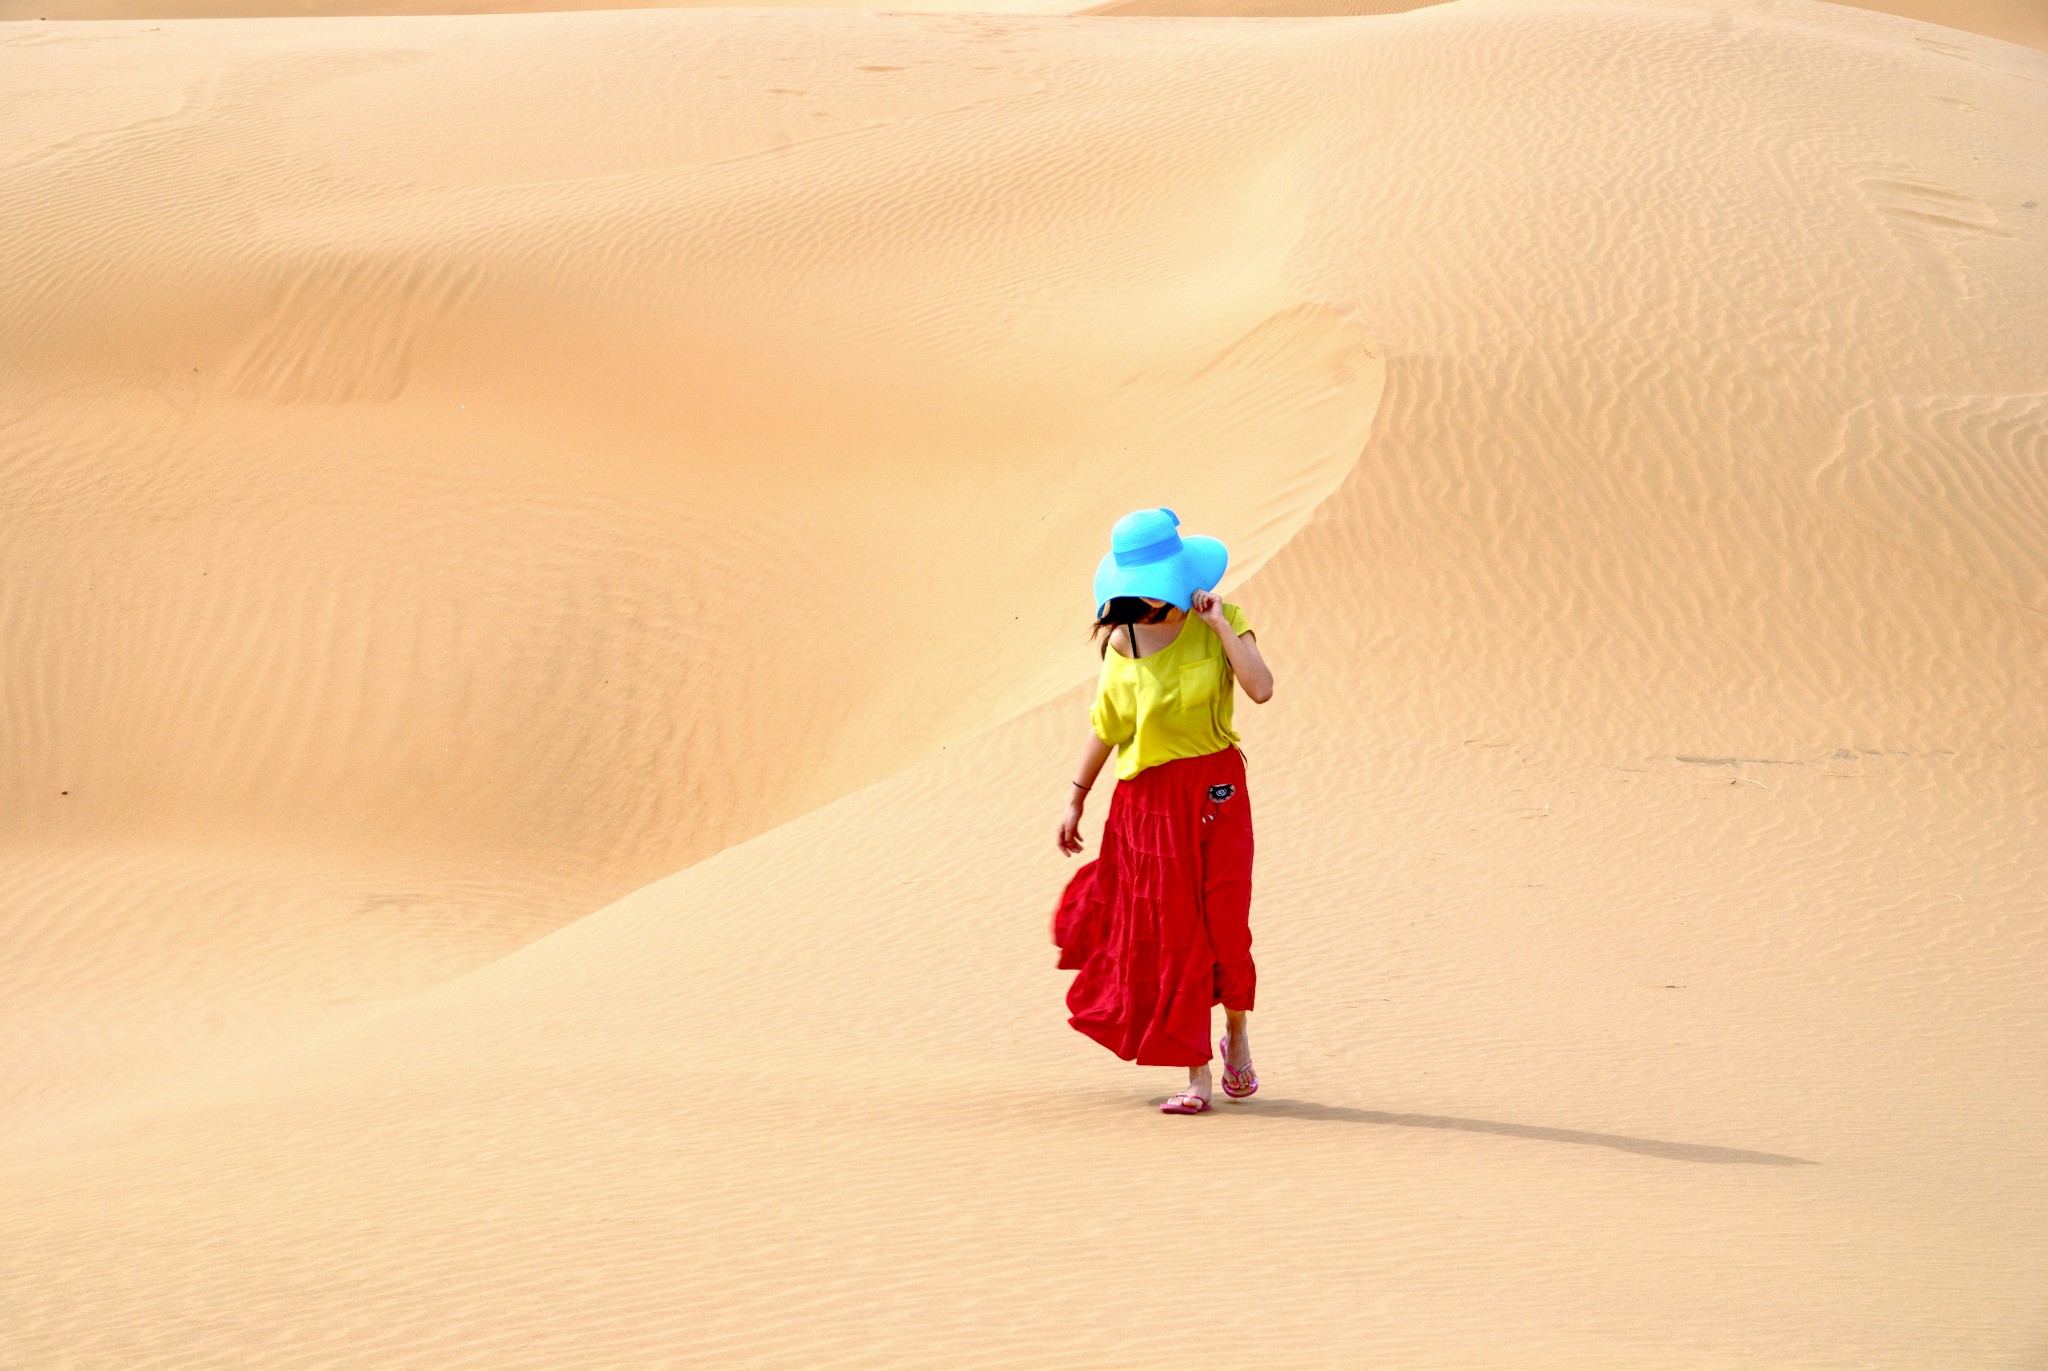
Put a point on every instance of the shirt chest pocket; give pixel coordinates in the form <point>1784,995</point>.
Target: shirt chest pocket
<point>1199,682</point>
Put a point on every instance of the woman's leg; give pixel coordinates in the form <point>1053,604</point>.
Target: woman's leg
<point>1237,1050</point>
<point>1237,1053</point>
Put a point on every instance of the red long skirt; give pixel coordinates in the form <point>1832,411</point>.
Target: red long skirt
<point>1158,925</point>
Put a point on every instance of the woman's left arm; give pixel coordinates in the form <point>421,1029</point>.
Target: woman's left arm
<point>1246,663</point>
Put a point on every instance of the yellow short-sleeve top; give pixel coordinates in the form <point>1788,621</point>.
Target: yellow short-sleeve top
<point>1175,702</point>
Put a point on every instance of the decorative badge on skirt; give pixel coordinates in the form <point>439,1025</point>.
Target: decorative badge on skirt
<point>1220,793</point>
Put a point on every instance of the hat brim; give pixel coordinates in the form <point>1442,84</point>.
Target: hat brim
<point>1199,565</point>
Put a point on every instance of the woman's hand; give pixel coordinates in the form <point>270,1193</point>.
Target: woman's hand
<point>1070,828</point>
<point>1241,650</point>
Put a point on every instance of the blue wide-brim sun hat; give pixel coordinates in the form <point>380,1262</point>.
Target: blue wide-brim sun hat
<point>1148,557</point>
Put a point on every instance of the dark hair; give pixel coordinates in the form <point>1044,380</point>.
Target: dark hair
<point>1124,609</point>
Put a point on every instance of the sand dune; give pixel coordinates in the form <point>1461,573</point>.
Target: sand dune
<point>2014,21</point>
<point>1257,9</point>
<point>375,486</point>
<point>305,9</point>
<point>433,516</point>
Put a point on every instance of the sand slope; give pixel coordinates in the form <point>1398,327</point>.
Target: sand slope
<point>2014,21</point>
<point>417,501</point>
<point>477,496</point>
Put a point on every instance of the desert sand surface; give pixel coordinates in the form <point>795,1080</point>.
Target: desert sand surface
<point>542,570</point>
<point>1257,9</point>
<point>346,9</point>
<point>2015,21</point>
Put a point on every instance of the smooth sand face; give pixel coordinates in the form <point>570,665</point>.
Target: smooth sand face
<point>461,471</point>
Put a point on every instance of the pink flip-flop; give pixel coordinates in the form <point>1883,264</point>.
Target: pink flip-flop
<point>1238,1084</point>
<point>1185,1102</point>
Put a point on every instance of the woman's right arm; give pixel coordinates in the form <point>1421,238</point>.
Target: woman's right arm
<point>1093,755</point>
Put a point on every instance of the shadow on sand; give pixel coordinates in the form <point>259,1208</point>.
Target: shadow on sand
<point>1307,1110</point>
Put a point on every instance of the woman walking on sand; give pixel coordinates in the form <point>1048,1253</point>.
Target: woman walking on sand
<point>1158,925</point>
